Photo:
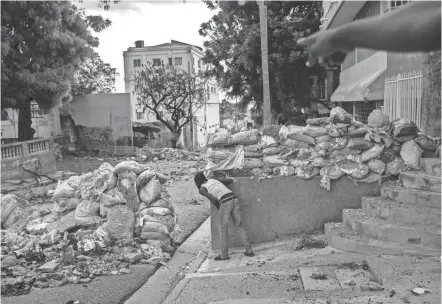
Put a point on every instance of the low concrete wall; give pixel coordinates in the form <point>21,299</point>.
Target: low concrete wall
<point>35,155</point>
<point>283,206</point>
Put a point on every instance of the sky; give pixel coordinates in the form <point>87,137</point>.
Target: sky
<point>155,22</point>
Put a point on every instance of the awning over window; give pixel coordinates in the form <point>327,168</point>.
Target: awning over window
<point>355,90</point>
<point>145,127</point>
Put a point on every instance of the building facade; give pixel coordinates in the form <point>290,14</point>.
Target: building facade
<point>370,79</point>
<point>189,58</point>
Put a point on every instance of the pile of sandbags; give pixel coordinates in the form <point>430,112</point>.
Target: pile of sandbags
<point>331,147</point>
<point>131,198</point>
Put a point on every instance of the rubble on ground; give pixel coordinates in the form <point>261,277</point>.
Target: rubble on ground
<point>330,147</point>
<point>169,154</point>
<point>100,223</point>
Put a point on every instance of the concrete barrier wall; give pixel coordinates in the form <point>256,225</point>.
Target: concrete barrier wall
<point>284,206</point>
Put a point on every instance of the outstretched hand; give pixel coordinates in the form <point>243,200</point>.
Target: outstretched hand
<point>325,48</point>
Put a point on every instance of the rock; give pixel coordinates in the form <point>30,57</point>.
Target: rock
<point>8,262</point>
<point>85,280</point>
<point>114,272</point>
<point>40,284</point>
<point>82,257</point>
<point>350,283</point>
<point>73,279</point>
<point>120,223</point>
<point>56,276</point>
<point>371,287</point>
<point>49,267</point>
<point>97,272</point>
<point>125,271</point>
<point>133,257</point>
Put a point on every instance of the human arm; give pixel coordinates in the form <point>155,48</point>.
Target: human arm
<point>214,200</point>
<point>225,181</point>
<point>415,27</point>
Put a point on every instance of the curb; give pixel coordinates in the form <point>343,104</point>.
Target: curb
<point>168,281</point>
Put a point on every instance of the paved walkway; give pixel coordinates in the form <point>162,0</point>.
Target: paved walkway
<point>280,274</point>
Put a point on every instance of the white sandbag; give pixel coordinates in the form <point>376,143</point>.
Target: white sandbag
<point>354,169</point>
<point>359,143</point>
<point>314,131</point>
<point>294,144</point>
<point>86,209</point>
<point>120,223</point>
<point>110,198</point>
<point>321,121</point>
<point>298,163</point>
<point>341,143</point>
<point>284,171</point>
<point>274,161</point>
<point>345,151</point>
<point>327,146</point>
<point>339,115</point>
<point>154,226</point>
<point>371,177</point>
<point>377,166</point>
<point>252,163</point>
<point>411,154</point>
<point>403,127</point>
<point>323,138</point>
<point>272,131</point>
<point>273,150</point>
<point>377,119</point>
<point>155,211</point>
<point>250,137</point>
<point>333,172</point>
<point>302,138</point>
<point>9,202</point>
<point>131,166</point>
<point>127,187</point>
<point>153,236</point>
<point>307,172</point>
<point>63,190</point>
<point>151,191</point>
<point>267,141</point>
<point>307,154</point>
<point>373,152</point>
<point>283,133</point>
<point>321,162</point>
<point>65,204</point>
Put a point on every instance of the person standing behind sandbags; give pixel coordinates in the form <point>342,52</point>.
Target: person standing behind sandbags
<point>228,205</point>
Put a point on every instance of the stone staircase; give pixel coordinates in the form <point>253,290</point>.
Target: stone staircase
<point>404,220</point>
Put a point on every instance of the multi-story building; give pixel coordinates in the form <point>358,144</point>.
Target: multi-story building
<point>371,79</point>
<point>189,58</point>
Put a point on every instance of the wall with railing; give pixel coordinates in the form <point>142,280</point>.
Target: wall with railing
<point>19,155</point>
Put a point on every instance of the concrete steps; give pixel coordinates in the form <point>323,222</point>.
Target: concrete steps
<point>420,181</point>
<point>388,210</point>
<point>343,238</point>
<point>431,166</point>
<point>398,233</point>
<point>409,196</point>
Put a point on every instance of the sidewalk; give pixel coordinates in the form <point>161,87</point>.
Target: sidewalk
<point>281,274</point>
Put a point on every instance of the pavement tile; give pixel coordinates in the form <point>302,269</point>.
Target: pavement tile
<point>359,277</point>
<point>210,265</point>
<point>331,283</point>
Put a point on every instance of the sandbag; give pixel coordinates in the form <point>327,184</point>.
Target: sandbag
<point>332,171</point>
<point>396,166</point>
<point>307,172</point>
<point>272,131</point>
<point>320,122</point>
<point>321,162</point>
<point>298,163</point>
<point>127,187</point>
<point>284,171</point>
<point>283,133</point>
<point>151,191</point>
<point>294,144</point>
<point>251,154</point>
<point>112,181</point>
<point>360,132</point>
<point>293,129</point>
<point>371,177</point>
<point>339,115</point>
<point>273,150</point>
<point>377,166</point>
<point>245,138</point>
<point>327,146</point>
<point>9,202</point>
<point>377,119</point>
<point>252,148</point>
<point>252,163</point>
<point>411,154</point>
<point>324,138</point>
<point>274,161</point>
<point>302,138</point>
<point>220,139</point>
<point>307,154</point>
<point>359,143</point>
<point>167,220</point>
<point>427,143</point>
<point>341,143</point>
<point>267,141</point>
<point>403,127</point>
<point>63,190</point>
<point>373,152</point>
<point>333,131</point>
<point>65,204</point>
<point>345,151</point>
<point>388,155</point>
<point>110,198</point>
<point>86,209</point>
<point>153,236</point>
<point>120,223</point>
<point>155,211</point>
<point>354,169</point>
<point>131,166</point>
<point>314,131</point>
<point>154,226</point>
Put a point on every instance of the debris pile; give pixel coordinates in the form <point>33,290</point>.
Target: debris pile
<point>150,154</point>
<point>331,147</point>
<point>101,222</point>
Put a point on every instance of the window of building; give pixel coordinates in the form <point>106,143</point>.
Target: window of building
<point>170,61</point>
<point>140,115</point>
<point>5,115</point>
<point>156,62</point>
<point>137,63</point>
<point>397,3</point>
<point>178,60</point>
<point>35,110</point>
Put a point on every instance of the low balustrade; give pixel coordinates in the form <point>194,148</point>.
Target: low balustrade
<point>26,148</point>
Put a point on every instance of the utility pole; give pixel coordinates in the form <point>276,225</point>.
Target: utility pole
<point>267,118</point>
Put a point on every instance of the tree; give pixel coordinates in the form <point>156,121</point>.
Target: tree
<point>226,108</point>
<point>233,48</point>
<point>43,46</point>
<point>94,77</point>
<point>172,94</point>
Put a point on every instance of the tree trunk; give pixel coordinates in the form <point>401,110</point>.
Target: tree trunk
<point>175,137</point>
<point>25,132</point>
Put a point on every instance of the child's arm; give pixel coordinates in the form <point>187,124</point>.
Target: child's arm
<point>225,181</point>
<point>415,27</point>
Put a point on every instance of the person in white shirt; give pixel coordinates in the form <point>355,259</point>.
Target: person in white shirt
<point>228,205</point>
